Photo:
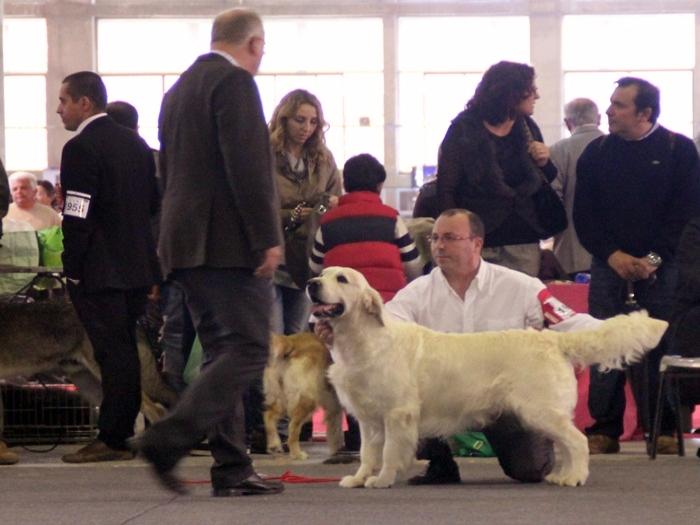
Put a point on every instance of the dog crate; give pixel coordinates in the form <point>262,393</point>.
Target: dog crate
<point>40,412</point>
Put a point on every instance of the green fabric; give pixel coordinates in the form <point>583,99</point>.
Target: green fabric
<point>17,249</point>
<point>193,363</point>
<point>51,246</point>
<point>472,445</point>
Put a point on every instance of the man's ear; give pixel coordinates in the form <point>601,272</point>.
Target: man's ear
<point>255,45</point>
<point>373,304</point>
<point>86,105</point>
<point>646,114</point>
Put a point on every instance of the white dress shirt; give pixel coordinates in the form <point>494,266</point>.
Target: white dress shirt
<point>497,299</point>
<point>87,121</point>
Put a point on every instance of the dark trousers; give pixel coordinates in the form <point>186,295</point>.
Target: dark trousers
<point>178,335</point>
<point>109,318</point>
<point>606,395</point>
<point>685,341</point>
<point>230,309</point>
<point>523,455</point>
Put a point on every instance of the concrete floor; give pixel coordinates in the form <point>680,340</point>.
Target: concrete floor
<point>622,488</point>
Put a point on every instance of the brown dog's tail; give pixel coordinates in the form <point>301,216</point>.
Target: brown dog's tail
<point>303,344</point>
<point>280,347</point>
<point>619,340</point>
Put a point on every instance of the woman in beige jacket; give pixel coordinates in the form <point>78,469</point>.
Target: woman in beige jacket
<point>308,183</point>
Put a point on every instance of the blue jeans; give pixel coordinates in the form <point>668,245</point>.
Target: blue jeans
<point>606,396</point>
<point>290,310</point>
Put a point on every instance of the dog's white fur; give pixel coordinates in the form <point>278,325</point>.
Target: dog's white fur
<point>403,381</point>
<point>295,384</point>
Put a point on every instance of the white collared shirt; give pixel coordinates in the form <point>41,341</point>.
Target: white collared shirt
<point>497,299</point>
<point>652,130</point>
<point>87,121</point>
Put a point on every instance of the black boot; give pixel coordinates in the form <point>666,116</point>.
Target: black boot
<point>442,469</point>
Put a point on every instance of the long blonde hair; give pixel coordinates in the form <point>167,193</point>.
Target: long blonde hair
<point>315,147</point>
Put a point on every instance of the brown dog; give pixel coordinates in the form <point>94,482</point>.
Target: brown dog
<point>295,384</point>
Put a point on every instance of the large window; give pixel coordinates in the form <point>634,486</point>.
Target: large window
<point>25,57</point>
<point>597,50</point>
<point>140,74</point>
<point>441,61</point>
<point>309,53</point>
<point>313,54</point>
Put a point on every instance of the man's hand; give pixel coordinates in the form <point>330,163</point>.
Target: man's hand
<point>154,293</point>
<point>324,331</point>
<point>539,153</point>
<point>629,267</point>
<point>271,260</point>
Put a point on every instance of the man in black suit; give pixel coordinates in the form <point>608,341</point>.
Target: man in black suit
<point>220,240</point>
<point>109,259</point>
<point>4,194</point>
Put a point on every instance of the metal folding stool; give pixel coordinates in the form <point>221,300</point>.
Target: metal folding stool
<point>671,369</point>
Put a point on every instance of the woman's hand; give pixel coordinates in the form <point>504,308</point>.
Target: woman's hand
<point>324,331</point>
<point>333,201</point>
<point>304,213</point>
<point>539,153</point>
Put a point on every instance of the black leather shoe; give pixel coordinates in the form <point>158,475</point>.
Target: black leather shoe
<point>251,486</point>
<point>438,473</point>
<point>163,463</point>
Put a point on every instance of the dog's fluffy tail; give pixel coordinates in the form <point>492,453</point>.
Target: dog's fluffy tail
<point>619,340</point>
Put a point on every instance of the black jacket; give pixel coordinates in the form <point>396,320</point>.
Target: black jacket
<point>470,177</point>
<point>4,195</point>
<point>109,185</point>
<point>220,206</point>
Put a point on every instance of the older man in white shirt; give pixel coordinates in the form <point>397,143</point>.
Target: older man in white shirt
<point>467,294</point>
<point>25,207</point>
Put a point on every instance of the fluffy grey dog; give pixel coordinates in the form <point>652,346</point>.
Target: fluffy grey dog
<point>44,336</point>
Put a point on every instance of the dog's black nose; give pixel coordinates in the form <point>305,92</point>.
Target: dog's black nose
<point>312,287</point>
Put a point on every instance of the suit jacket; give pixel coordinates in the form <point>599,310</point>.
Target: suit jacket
<point>564,154</point>
<point>4,194</point>
<point>220,202</point>
<point>109,185</point>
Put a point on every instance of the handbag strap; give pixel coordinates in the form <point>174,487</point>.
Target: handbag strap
<point>530,138</point>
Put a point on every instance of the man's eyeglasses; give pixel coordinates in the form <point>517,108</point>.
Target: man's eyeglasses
<point>447,238</point>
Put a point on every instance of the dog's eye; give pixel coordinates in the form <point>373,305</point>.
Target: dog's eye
<point>341,279</point>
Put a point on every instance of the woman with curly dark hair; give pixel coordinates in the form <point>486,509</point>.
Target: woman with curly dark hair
<point>308,183</point>
<point>492,161</point>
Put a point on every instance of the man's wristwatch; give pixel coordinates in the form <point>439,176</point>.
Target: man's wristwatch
<point>654,259</point>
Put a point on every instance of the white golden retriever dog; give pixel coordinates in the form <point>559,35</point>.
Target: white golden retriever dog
<point>404,382</point>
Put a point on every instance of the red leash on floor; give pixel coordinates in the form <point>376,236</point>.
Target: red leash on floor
<point>290,477</point>
<point>287,477</point>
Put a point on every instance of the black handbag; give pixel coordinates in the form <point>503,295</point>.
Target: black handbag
<point>550,212</point>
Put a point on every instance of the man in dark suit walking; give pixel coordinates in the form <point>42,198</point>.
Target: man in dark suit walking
<point>108,182</point>
<point>220,240</point>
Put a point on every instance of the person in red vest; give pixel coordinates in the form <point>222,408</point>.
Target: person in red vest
<point>364,234</point>
<point>369,236</point>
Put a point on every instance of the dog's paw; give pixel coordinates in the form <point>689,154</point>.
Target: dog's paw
<point>275,449</point>
<point>351,482</point>
<point>299,456</point>
<point>566,479</point>
<point>376,482</point>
